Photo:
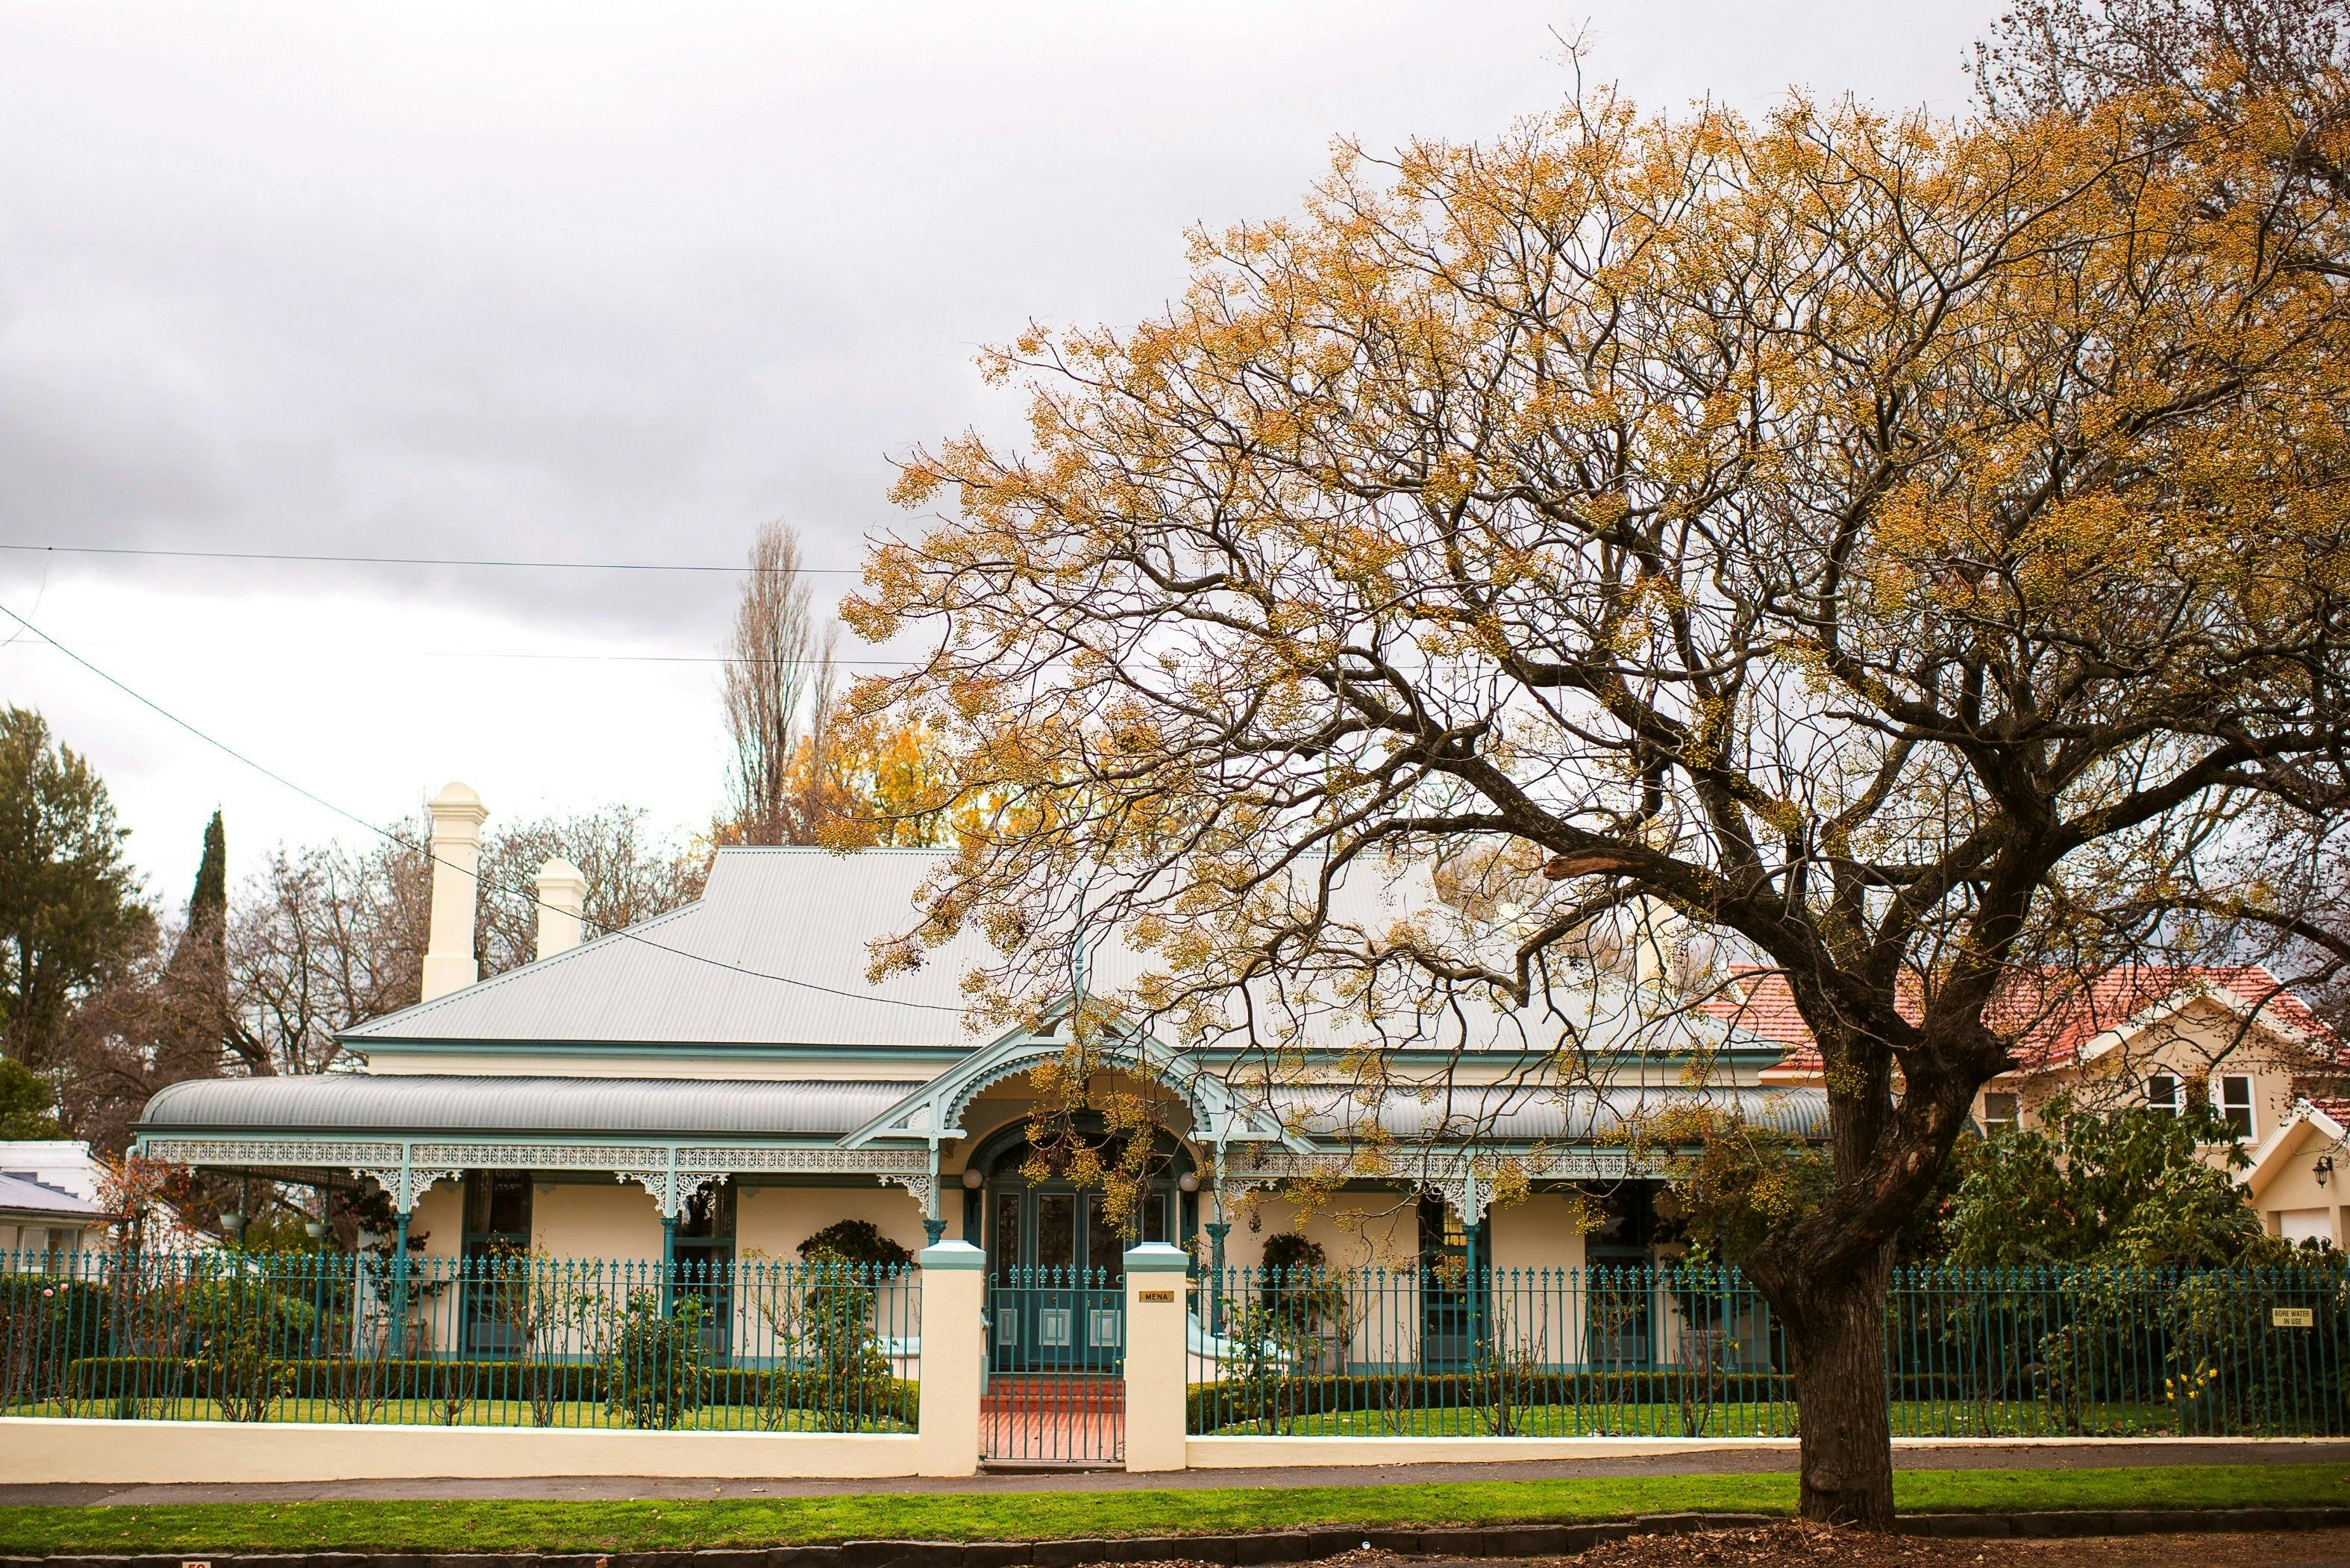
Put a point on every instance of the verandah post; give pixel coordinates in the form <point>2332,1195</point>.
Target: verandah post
<point>398,1285</point>
<point>953,1358</point>
<point>1157,1350</point>
<point>668,1263</point>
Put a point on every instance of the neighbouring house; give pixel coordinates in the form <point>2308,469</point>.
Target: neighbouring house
<point>50,1196</point>
<point>2143,1036</point>
<point>724,1081</point>
<point>2293,1178</point>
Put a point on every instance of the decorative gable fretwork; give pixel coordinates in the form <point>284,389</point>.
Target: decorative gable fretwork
<point>935,1110</point>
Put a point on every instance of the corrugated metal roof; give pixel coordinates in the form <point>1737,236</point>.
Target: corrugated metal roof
<point>1534,1114</point>
<point>702,974</point>
<point>424,1104</point>
<point>22,1195</point>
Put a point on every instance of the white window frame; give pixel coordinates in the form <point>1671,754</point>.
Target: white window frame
<point>2015,1116</point>
<point>2176,1105</point>
<point>2225,1101</point>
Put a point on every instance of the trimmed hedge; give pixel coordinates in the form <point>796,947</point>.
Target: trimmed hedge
<point>107,1378</point>
<point>1214,1405</point>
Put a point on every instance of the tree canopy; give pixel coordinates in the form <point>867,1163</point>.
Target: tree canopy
<point>2096,1186</point>
<point>71,913</point>
<point>27,1103</point>
<point>1909,550</point>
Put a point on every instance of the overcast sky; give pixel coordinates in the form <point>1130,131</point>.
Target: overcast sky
<point>600,283</point>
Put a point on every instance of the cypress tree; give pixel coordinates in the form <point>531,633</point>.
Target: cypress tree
<point>208,904</point>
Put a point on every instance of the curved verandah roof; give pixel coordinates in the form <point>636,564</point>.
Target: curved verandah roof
<point>406,1131</point>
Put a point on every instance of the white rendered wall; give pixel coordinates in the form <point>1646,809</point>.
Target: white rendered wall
<point>774,1220</point>
<point>613,1220</point>
<point>152,1453</point>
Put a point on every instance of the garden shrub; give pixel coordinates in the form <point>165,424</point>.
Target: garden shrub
<point>655,1362</point>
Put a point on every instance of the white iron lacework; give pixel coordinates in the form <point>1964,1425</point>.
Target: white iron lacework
<point>648,1165</point>
<point>403,1183</point>
<point>1256,1168</point>
<point>918,1185</point>
<point>540,1157</point>
<point>270,1151</point>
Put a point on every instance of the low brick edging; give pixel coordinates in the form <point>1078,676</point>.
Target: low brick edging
<point>1249,1551</point>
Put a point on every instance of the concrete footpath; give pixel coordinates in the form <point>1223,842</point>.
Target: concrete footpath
<point>1942,1455</point>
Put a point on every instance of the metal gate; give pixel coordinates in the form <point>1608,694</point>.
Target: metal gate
<point>1055,1391</point>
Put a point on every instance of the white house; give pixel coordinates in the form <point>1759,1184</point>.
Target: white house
<point>49,1198</point>
<point>724,1081</point>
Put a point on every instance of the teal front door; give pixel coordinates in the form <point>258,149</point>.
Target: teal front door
<point>1057,1273</point>
<point>1454,1308</point>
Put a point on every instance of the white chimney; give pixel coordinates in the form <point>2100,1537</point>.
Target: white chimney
<point>456,849</point>
<point>562,895</point>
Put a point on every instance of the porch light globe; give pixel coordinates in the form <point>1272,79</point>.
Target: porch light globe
<point>970,1179</point>
<point>1189,1182</point>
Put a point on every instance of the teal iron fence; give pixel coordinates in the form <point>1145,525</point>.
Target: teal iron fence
<point>519,1340</point>
<point>1639,1351</point>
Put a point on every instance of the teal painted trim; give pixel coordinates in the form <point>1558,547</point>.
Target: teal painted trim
<point>721,1050</point>
<point>1156,1257</point>
<point>952,1257</point>
<point>661,1048</point>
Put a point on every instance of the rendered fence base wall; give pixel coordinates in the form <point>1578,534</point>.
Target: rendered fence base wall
<point>57,1449</point>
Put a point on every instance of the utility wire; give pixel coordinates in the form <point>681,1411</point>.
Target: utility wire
<point>425,849</point>
<point>432,560</point>
<point>562,658</point>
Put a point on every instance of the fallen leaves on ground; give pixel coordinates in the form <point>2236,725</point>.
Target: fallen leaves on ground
<point>1797,1545</point>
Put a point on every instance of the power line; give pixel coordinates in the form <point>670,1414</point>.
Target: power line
<point>571,658</point>
<point>427,560</point>
<point>386,834</point>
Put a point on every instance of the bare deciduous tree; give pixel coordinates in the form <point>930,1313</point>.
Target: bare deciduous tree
<point>321,939</point>
<point>778,690</point>
<point>631,876</point>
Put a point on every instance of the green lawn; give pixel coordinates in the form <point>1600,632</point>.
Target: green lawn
<point>673,1524</point>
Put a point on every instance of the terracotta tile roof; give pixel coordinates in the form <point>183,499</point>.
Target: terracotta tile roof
<point>2056,1021</point>
<point>1759,1001</point>
<point>2336,1111</point>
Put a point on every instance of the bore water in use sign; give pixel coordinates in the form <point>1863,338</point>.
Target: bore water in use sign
<point>2292,1318</point>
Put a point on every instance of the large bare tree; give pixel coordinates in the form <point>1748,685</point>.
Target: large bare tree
<point>779,697</point>
<point>1901,549</point>
<point>632,874</point>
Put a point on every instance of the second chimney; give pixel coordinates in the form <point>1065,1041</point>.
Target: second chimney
<point>562,895</point>
<point>455,846</point>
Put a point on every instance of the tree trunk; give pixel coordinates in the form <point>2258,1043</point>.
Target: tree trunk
<point>1837,1339</point>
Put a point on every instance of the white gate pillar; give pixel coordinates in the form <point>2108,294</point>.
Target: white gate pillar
<point>954,1358</point>
<point>1158,1348</point>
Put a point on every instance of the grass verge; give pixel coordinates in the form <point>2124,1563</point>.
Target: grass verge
<point>670,1524</point>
